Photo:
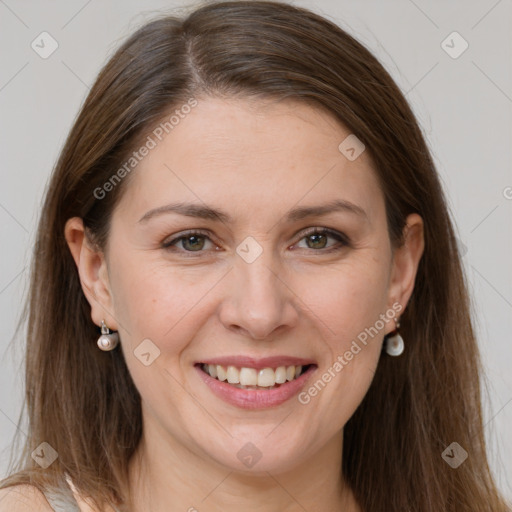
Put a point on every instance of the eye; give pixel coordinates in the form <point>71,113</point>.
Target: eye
<point>194,241</point>
<point>317,238</point>
<point>191,241</point>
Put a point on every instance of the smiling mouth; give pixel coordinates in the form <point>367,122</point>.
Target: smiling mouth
<point>252,378</point>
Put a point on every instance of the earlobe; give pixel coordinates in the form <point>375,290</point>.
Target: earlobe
<point>92,270</point>
<point>406,260</point>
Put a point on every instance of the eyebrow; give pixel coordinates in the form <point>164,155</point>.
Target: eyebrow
<point>205,212</point>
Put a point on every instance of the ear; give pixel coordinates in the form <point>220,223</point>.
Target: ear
<point>92,269</point>
<point>406,259</point>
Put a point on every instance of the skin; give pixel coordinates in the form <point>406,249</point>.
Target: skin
<point>255,160</point>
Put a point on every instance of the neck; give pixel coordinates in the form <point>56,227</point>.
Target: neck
<point>165,474</point>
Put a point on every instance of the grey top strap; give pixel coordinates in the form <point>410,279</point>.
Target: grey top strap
<point>61,499</point>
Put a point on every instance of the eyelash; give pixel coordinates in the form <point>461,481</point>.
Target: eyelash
<point>340,237</point>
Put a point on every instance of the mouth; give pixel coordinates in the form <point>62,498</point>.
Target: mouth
<point>255,384</point>
<point>252,378</point>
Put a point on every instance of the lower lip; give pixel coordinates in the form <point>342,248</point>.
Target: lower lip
<point>255,399</point>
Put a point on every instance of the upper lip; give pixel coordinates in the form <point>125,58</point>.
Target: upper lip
<point>258,363</point>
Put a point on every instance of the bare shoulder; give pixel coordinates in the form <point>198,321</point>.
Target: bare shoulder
<point>23,498</point>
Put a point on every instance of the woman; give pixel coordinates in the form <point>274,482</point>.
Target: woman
<point>246,291</point>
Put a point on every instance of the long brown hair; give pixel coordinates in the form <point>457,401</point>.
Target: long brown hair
<point>83,402</point>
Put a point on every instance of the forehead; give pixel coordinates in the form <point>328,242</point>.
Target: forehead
<point>251,155</point>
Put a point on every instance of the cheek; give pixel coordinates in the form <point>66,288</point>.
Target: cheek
<point>348,299</point>
<point>166,305</point>
<point>153,297</point>
<point>352,330</point>
<point>156,300</point>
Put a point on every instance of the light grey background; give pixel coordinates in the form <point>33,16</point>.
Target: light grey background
<point>464,106</point>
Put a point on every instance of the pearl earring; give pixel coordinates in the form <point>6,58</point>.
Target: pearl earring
<point>394,342</point>
<point>107,341</point>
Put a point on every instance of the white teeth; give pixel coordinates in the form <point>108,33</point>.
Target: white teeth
<point>281,375</point>
<point>221,373</point>
<point>233,375</point>
<point>242,377</point>
<point>248,377</point>
<point>266,378</point>
<point>212,370</point>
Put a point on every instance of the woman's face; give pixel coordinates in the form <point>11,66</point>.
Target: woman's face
<point>252,288</point>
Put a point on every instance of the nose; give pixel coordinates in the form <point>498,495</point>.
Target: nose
<point>258,301</point>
